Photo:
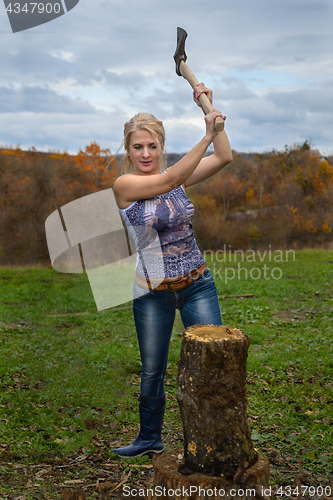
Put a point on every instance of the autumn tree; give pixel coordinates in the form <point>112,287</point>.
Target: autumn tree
<point>34,184</point>
<point>283,196</point>
<point>98,167</point>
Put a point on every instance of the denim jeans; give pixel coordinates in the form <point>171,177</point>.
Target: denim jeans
<point>154,315</point>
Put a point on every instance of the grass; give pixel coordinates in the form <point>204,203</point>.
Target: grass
<point>70,376</point>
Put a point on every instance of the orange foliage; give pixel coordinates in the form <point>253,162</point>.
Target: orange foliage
<point>326,227</point>
<point>33,185</point>
<point>289,194</point>
<point>98,167</point>
<point>303,223</point>
<point>266,199</point>
<point>250,194</point>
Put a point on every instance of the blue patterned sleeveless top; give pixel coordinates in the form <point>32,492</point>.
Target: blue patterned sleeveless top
<point>171,215</point>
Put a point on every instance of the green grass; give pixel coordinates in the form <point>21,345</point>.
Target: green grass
<point>70,376</point>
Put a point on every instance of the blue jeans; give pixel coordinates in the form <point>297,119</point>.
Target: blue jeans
<point>154,316</point>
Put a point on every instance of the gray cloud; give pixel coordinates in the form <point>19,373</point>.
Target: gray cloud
<point>62,131</point>
<point>132,79</point>
<point>38,99</point>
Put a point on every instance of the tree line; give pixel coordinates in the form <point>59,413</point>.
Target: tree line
<point>282,198</point>
<point>34,184</point>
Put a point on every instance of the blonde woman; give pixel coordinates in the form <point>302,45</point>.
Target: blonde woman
<point>149,195</point>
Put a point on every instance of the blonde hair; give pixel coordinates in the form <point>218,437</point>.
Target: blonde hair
<point>143,121</point>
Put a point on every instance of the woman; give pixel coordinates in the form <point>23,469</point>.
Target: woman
<point>155,198</point>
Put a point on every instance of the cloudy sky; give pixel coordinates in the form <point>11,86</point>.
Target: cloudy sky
<point>78,78</point>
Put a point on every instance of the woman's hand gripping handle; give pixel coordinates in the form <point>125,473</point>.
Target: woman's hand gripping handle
<point>205,103</point>
<point>203,97</point>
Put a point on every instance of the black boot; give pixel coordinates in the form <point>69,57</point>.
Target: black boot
<point>149,439</point>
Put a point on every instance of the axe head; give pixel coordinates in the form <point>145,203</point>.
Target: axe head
<point>180,54</point>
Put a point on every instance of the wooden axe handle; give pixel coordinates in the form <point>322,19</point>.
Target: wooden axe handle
<point>207,106</point>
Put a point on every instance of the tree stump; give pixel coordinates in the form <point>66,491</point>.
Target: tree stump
<point>170,484</point>
<point>212,400</point>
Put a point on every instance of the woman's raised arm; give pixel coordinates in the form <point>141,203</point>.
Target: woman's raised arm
<point>131,187</point>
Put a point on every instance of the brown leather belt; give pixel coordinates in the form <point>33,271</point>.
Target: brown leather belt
<point>174,286</point>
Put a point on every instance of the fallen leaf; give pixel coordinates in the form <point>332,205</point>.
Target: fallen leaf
<point>125,476</point>
<point>41,472</point>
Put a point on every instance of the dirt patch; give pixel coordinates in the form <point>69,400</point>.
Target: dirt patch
<point>21,324</point>
<point>289,316</point>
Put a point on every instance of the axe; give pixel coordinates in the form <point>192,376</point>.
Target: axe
<point>182,69</point>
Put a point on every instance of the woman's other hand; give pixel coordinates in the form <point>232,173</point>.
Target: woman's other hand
<point>202,89</point>
<point>210,123</point>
